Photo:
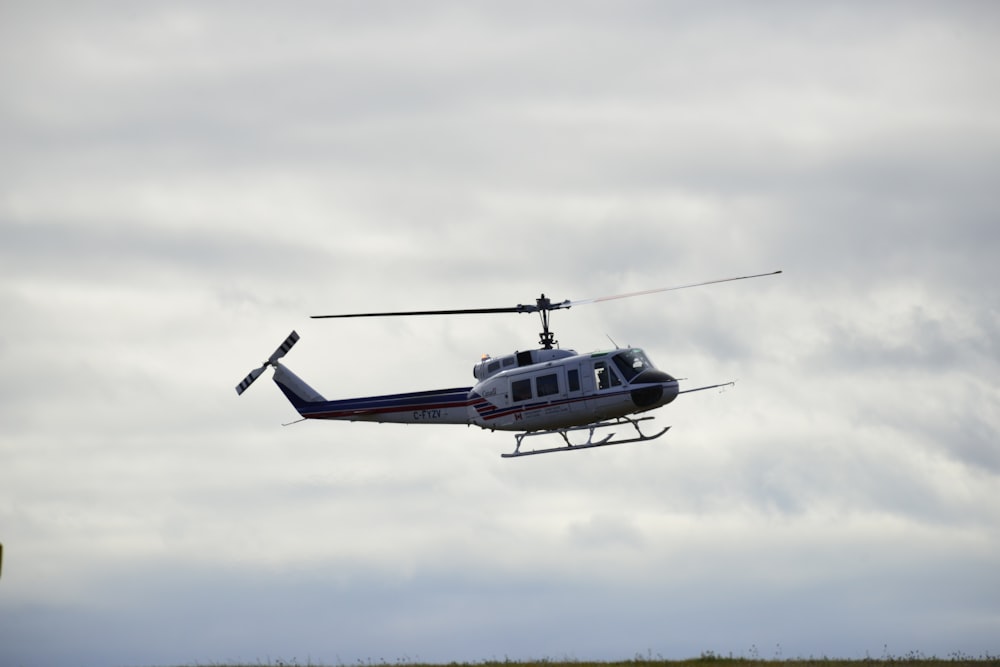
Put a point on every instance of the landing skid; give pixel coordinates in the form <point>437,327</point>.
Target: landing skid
<point>590,443</point>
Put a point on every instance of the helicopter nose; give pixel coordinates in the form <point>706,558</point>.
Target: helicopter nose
<point>653,388</point>
<point>670,391</point>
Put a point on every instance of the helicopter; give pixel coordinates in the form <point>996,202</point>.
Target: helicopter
<point>547,391</point>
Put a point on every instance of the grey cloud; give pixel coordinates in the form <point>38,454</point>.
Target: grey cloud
<point>183,185</point>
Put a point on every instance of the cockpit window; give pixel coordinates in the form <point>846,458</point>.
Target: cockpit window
<point>631,362</point>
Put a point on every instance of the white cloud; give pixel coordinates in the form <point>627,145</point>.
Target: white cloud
<point>182,186</point>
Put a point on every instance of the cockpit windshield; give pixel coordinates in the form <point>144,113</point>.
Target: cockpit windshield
<point>631,362</point>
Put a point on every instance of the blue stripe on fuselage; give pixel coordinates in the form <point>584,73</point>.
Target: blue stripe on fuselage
<point>458,397</point>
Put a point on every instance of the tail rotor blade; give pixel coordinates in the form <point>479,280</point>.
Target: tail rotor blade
<point>271,361</point>
<point>284,348</point>
<point>249,379</point>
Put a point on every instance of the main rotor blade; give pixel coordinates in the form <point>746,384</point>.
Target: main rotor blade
<point>570,304</point>
<point>542,304</point>
<point>459,311</point>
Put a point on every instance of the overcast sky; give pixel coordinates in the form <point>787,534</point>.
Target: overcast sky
<point>182,184</point>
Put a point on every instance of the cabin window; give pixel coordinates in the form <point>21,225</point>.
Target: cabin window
<point>546,385</point>
<point>605,376</point>
<point>573,377</point>
<point>520,390</point>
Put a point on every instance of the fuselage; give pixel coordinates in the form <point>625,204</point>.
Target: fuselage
<point>526,391</point>
<point>560,388</point>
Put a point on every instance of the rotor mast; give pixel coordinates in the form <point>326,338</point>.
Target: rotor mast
<point>546,338</point>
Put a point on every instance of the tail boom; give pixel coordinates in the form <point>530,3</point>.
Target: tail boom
<point>440,406</point>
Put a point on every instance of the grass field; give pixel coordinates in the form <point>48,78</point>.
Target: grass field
<point>705,660</point>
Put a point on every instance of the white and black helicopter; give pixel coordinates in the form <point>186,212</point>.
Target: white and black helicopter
<point>548,391</point>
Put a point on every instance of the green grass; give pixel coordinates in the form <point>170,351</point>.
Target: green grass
<point>707,659</point>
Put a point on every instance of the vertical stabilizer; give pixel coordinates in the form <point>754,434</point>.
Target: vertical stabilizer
<point>295,389</point>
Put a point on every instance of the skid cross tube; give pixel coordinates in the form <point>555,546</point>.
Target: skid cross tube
<point>590,443</point>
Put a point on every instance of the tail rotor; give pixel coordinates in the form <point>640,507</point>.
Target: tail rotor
<point>271,361</point>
